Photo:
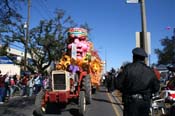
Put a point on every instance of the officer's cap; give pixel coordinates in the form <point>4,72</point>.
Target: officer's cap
<point>139,52</point>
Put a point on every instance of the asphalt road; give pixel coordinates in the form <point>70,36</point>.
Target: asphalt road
<point>103,104</point>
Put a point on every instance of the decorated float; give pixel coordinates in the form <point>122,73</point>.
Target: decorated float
<point>77,75</point>
<point>81,49</point>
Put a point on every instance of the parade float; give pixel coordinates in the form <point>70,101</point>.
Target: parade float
<point>77,74</point>
<point>82,51</point>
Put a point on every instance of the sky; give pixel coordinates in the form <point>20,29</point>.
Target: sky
<point>113,22</point>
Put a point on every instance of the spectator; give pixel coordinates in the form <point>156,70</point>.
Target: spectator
<point>12,85</point>
<point>109,81</point>
<point>37,83</point>
<point>7,84</point>
<point>31,85</point>
<point>157,73</point>
<point>24,85</point>
<point>2,88</point>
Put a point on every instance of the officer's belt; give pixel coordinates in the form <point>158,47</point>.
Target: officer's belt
<point>136,96</point>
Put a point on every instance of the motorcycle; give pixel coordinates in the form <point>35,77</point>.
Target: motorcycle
<point>168,92</point>
<point>158,107</point>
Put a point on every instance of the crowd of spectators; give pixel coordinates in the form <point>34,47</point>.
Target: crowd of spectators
<point>26,85</point>
<point>109,79</point>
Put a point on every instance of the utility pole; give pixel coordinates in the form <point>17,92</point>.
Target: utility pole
<point>27,36</point>
<point>105,61</point>
<point>144,41</point>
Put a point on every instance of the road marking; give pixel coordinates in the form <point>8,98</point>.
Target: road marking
<point>115,109</point>
<point>119,100</point>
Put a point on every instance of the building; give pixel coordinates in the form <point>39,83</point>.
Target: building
<point>6,65</point>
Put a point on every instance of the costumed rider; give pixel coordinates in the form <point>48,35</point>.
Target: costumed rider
<point>74,69</point>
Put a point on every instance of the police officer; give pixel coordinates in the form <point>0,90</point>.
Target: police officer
<point>137,82</point>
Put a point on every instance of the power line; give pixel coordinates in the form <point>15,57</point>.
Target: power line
<point>36,8</point>
<point>41,5</point>
<point>49,11</point>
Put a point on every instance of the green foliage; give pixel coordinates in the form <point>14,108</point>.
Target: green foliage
<point>166,55</point>
<point>46,42</point>
<point>10,22</point>
<point>86,26</point>
<point>9,15</point>
<point>3,50</point>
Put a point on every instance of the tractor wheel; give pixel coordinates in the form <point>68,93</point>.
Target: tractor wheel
<point>39,109</point>
<point>87,88</point>
<point>82,103</point>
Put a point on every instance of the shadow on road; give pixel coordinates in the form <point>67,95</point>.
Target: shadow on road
<point>17,106</point>
<point>21,102</point>
<point>58,109</point>
<point>74,112</point>
<point>8,112</point>
<point>107,101</point>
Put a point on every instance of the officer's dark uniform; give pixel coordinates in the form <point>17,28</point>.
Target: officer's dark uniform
<point>137,82</point>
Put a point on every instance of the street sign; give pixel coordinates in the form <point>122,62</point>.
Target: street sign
<point>149,42</point>
<point>139,42</point>
<point>132,1</point>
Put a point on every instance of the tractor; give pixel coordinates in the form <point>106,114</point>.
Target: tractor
<point>63,89</point>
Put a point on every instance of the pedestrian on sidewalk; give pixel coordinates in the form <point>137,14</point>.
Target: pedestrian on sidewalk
<point>137,82</point>
<point>12,86</point>
<point>2,88</point>
<point>7,84</point>
<point>30,85</point>
<point>109,81</point>
<point>156,71</point>
<point>37,83</point>
<point>24,85</point>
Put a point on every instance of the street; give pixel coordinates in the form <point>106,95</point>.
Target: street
<point>103,104</point>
